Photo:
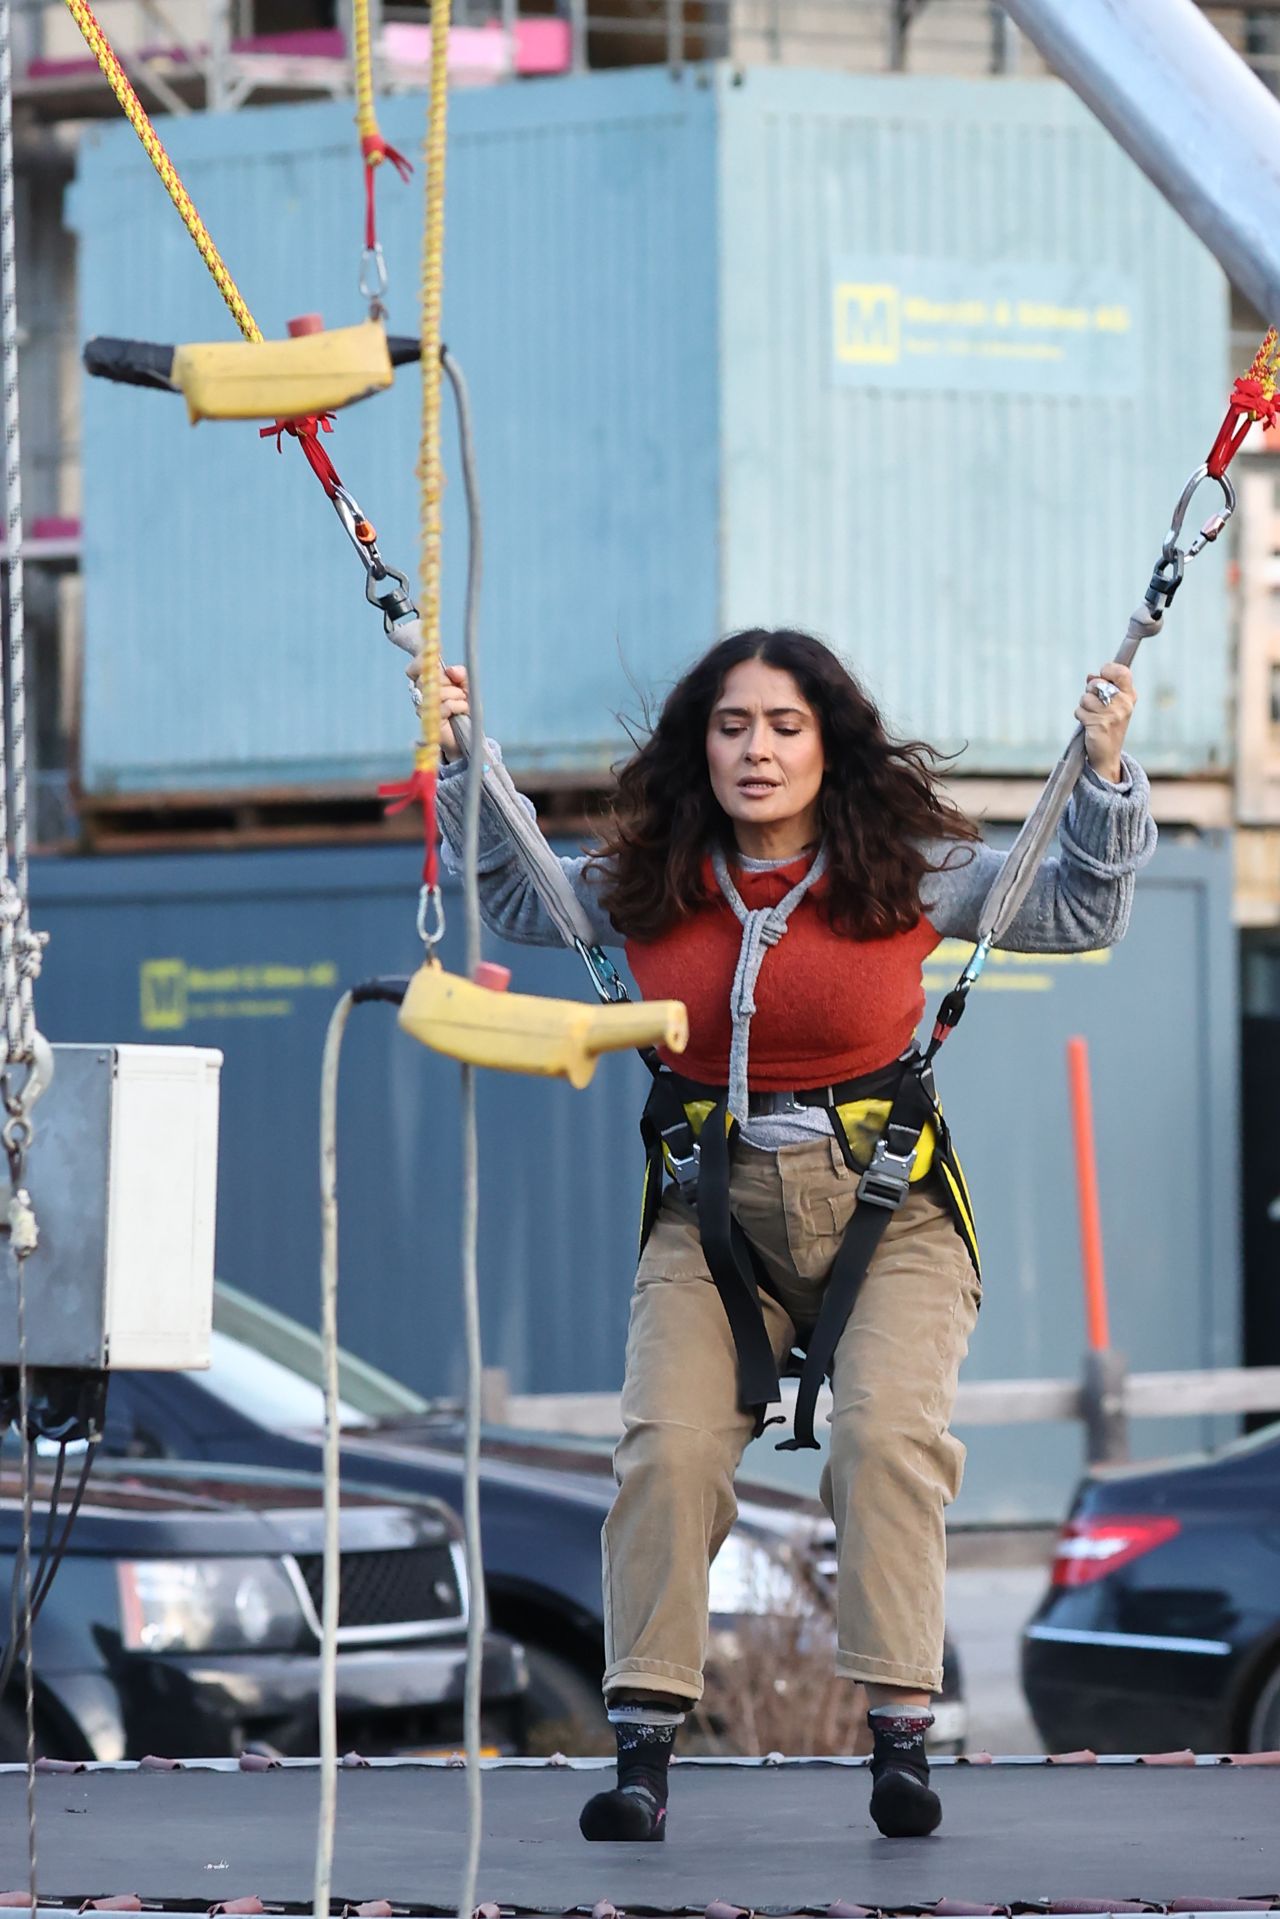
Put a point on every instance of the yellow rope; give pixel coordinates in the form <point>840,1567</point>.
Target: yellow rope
<point>136,114</point>
<point>366,115</point>
<point>1263,368</point>
<point>430,477</point>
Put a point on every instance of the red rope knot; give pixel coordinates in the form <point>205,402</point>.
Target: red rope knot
<point>305,428</point>
<point>306,431</point>
<point>1250,400</point>
<point>375,150</point>
<point>419,789</point>
<point>1249,394</point>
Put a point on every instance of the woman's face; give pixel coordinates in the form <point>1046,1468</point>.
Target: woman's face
<point>764,755</point>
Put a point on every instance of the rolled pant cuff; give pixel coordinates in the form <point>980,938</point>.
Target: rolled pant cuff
<point>653,1675</point>
<point>880,1672</point>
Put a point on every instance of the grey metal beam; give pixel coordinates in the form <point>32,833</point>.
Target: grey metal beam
<point>1187,110</point>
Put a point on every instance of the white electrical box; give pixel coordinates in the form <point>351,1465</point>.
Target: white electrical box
<point>122,1174</point>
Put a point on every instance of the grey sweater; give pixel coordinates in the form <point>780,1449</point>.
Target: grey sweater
<point>1080,899</point>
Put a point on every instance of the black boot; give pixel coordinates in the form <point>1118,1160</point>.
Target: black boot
<point>645,1728</point>
<point>902,1804</point>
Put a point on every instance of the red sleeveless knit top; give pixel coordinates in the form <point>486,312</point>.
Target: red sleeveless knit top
<point>829,1006</point>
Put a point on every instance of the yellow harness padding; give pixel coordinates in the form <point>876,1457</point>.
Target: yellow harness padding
<point>282,379</point>
<point>519,1033</point>
<point>863,1121</point>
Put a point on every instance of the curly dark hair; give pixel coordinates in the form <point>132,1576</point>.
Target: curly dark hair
<point>879,799</point>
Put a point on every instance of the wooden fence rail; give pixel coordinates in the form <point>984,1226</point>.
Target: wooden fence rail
<point>979,1402</point>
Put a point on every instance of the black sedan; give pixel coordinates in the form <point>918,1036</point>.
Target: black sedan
<point>542,1501</point>
<point>184,1621</point>
<point>1161,1626</point>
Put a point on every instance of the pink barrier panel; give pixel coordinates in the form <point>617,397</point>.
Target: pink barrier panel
<point>543,46</point>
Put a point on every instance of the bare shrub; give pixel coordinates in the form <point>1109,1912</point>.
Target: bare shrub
<point>771,1684</point>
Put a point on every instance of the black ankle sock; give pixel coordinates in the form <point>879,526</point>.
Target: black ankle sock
<point>902,1802</point>
<point>644,1753</point>
<point>637,1807</point>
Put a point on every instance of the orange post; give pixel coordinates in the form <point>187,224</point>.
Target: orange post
<point>1095,1285</point>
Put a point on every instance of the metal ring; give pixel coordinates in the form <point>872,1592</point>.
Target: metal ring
<point>430,900</point>
<point>1105,690</point>
<point>373,272</point>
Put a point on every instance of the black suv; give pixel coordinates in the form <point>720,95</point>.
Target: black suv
<point>184,1621</point>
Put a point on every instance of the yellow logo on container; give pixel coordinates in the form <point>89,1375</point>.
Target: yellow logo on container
<point>173,994</point>
<point>868,323</point>
<point>163,985</point>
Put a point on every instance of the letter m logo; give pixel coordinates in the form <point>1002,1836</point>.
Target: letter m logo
<point>868,324</point>
<point>163,992</point>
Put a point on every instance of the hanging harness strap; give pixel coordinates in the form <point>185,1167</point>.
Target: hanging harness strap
<point>881,1192</point>
<point>688,1133</point>
<point>734,1268</point>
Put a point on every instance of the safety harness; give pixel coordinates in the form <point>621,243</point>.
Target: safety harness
<point>891,1132</point>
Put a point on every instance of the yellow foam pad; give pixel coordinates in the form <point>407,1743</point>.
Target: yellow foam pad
<point>518,1033</point>
<point>282,379</point>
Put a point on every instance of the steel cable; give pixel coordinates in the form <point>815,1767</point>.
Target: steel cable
<point>329,1087</point>
<point>474,783</point>
<point>327,1702</point>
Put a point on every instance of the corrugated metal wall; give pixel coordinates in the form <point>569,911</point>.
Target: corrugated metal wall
<point>973,507</point>
<point>680,423</point>
<point>249,951</point>
<point>228,642</point>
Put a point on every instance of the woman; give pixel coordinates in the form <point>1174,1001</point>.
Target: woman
<point>776,860</point>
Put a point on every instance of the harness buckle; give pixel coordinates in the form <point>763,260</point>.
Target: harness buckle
<point>887,1179</point>
<point>683,1167</point>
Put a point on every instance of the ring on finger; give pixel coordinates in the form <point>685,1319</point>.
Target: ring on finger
<point>1105,690</point>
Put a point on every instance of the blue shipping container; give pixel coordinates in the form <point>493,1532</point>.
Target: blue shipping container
<point>920,363</point>
<point>248,952</point>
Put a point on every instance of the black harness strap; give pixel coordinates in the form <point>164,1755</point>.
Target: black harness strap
<point>881,1191</point>
<point>732,1268</point>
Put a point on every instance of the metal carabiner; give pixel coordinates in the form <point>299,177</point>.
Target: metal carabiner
<point>429,899</point>
<point>605,976</point>
<point>17,1129</point>
<point>373,273</point>
<point>348,511</point>
<point>1212,526</point>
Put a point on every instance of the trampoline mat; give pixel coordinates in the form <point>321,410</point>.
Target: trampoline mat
<point>793,1837</point>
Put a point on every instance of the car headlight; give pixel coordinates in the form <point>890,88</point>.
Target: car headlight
<point>746,1578</point>
<point>208,1605</point>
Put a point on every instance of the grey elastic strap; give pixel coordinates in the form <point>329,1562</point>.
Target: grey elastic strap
<point>1022,862</point>
<point>638,1715</point>
<point>762,927</point>
<point>545,872</point>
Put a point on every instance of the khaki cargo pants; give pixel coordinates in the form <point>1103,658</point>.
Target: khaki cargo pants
<point>894,1466</point>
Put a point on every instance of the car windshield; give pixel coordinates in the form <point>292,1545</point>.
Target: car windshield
<point>262,1358</point>
<point>242,1378</point>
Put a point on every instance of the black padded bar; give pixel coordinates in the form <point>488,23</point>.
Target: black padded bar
<point>131,362</point>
